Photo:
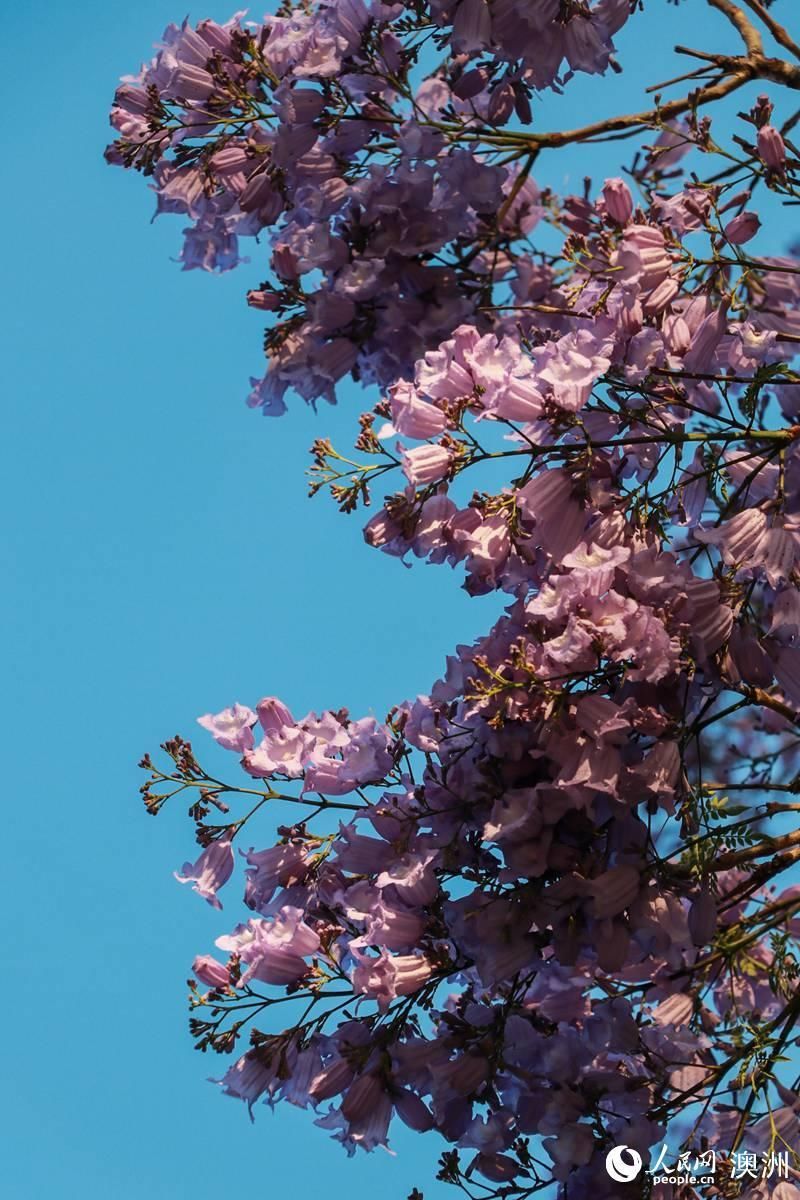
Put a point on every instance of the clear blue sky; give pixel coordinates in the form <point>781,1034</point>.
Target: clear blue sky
<point>163,561</point>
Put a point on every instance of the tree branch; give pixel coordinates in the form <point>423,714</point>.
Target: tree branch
<point>738,70</point>
<point>749,34</point>
<point>779,32</point>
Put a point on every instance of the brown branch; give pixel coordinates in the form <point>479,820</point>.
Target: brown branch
<point>738,70</point>
<point>779,32</point>
<point>740,75</point>
<point>748,32</point>
<point>761,875</point>
<point>770,846</point>
<point>758,696</point>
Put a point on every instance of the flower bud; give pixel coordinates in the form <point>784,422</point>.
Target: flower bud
<point>735,201</point>
<point>761,111</point>
<point>471,83</point>
<point>273,715</point>
<point>258,193</point>
<point>661,297</point>
<point>742,228</point>
<point>501,104</point>
<point>425,463</point>
<point>263,300</point>
<point>211,972</point>
<point>381,529</point>
<point>522,104</point>
<point>618,201</point>
<point>771,148</point>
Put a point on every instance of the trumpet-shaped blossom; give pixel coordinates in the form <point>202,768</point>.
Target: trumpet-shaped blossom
<point>210,872</point>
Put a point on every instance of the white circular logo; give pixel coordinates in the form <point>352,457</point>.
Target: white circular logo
<point>623,1164</point>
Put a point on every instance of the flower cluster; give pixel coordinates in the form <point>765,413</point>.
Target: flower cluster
<point>245,128</point>
<point>551,906</point>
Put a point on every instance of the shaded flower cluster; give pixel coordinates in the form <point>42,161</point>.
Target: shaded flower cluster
<point>551,906</point>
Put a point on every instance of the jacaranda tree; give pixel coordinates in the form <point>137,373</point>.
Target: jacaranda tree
<point>546,911</point>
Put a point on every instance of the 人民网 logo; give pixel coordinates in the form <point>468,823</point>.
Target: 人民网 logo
<point>623,1164</point>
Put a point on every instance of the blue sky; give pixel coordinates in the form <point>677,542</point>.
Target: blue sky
<point>163,561</point>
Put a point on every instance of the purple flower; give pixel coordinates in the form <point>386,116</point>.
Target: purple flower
<point>189,82</point>
<point>212,870</point>
<point>281,866</point>
<point>472,26</point>
<point>414,417</point>
<point>771,148</point>
<point>266,301</point>
<point>424,464</point>
<point>572,366</point>
<point>232,728</point>
<point>211,972</point>
<point>365,758</point>
<point>750,541</point>
<point>284,751</point>
<point>210,247</point>
<point>249,1078</point>
<point>709,334</point>
<point>643,257</point>
<point>363,1119</point>
<point>618,201</point>
<point>274,950</point>
<point>742,228</point>
<point>412,1111</point>
<point>389,976</point>
<point>273,714</point>
<point>413,876</point>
